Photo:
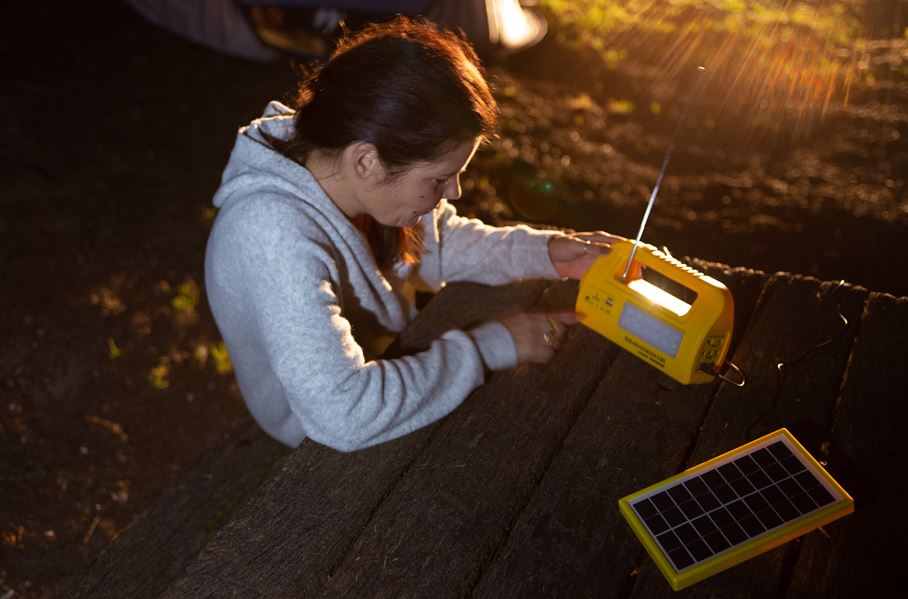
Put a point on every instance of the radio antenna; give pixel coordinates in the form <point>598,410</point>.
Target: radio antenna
<point>668,155</point>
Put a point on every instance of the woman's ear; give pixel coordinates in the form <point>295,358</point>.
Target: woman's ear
<point>364,161</point>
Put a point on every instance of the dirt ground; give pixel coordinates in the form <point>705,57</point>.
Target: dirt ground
<point>113,135</point>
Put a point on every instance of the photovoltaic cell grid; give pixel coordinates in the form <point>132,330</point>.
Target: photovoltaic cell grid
<point>731,503</point>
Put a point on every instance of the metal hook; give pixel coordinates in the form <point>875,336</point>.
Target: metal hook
<point>728,380</point>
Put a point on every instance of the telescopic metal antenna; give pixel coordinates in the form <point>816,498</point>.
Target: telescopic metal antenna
<point>668,155</point>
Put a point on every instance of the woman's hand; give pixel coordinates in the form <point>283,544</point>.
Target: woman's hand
<point>572,255</point>
<point>538,334</point>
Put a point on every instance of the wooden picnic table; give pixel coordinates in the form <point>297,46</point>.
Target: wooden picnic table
<point>515,493</point>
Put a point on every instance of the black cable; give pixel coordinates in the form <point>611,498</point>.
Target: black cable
<point>782,366</point>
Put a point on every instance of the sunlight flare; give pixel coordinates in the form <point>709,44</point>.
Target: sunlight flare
<point>772,65</point>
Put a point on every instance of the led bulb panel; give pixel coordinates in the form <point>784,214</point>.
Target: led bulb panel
<point>650,329</point>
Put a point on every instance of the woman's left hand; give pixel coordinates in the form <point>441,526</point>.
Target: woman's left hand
<point>572,255</point>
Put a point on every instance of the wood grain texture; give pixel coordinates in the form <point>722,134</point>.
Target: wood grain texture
<point>863,554</point>
<point>571,541</point>
<point>444,522</point>
<point>287,539</point>
<point>162,541</point>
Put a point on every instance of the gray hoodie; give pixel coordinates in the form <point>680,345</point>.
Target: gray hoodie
<point>305,311</point>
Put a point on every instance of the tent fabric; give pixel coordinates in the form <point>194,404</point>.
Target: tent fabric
<point>406,7</point>
<point>216,24</point>
<point>491,25</point>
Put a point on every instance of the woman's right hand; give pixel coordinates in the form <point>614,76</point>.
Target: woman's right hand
<point>537,334</point>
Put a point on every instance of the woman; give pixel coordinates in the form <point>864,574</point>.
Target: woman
<point>331,215</point>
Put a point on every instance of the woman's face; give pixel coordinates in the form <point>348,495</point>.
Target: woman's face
<point>400,201</point>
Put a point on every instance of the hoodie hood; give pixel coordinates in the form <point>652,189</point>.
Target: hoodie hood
<point>254,161</point>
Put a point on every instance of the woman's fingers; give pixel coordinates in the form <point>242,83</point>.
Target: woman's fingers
<point>599,243</point>
<point>559,323</point>
<point>572,255</point>
<point>538,334</point>
<point>599,237</point>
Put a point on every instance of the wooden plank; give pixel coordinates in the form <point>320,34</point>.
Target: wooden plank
<point>440,527</point>
<point>465,305</point>
<point>789,320</point>
<point>571,541</point>
<point>160,542</point>
<point>863,556</point>
<point>289,538</point>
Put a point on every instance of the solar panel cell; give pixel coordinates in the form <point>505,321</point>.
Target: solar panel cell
<point>669,540</point>
<point>758,479</point>
<point>778,450</point>
<point>657,524</point>
<point>691,509</point>
<point>687,533</point>
<point>789,487</point>
<point>699,549</point>
<point>741,486</point>
<point>717,541</point>
<point>803,502</point>
<point>674,516</point>
<point>773,495</point>
<point>730,472</point>
<point>680,494</point>
<point>746,464</point>
<point>786,510</point>
<point>680,558</point>
<point>722,517</point>
<point>645,508</point>
<point>751,526</point>
<point>662,501</point>
<point>756,503</point>
<point>734,533</point>
<point>821,496</point>
<point>807,480</point>
<point>792,464</point>
<point>769,518</point>
<point>775,471</point>
<point>738,509</point>
<point>763,457</point>
<point>696,486</point>
<point>712,479</point>
<point>725,493</point>
<point>708,501</point>
<point>704,525</point>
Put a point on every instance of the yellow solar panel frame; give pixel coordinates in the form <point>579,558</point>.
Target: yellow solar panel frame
<point>758,544</point>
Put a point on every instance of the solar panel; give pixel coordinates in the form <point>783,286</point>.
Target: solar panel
<point>733,507</point>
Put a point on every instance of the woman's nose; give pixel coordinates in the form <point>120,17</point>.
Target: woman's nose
<point>452,189</point>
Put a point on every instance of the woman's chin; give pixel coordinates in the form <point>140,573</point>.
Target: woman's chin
<point>411,221</point>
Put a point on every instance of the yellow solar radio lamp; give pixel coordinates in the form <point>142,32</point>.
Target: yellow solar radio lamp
<point>664,312</point>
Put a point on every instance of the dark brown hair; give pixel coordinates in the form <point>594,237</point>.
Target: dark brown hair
<point>410,88</point>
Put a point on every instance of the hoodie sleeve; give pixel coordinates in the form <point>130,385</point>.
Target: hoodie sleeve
<point>466,249</point>
<point>293,306</point>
